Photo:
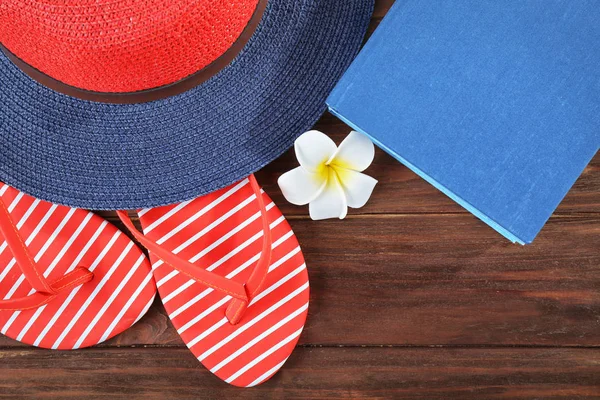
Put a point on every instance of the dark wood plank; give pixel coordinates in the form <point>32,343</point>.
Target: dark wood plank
<point>430,280</point>
<point>315,373</point>
<point>440,280</point>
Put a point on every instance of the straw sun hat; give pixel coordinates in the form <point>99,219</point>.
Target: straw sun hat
<point>115,104</point>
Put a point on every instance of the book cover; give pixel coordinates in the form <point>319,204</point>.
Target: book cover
<point>497,104</point>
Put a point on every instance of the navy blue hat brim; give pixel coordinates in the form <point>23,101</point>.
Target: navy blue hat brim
<point>109,156</point>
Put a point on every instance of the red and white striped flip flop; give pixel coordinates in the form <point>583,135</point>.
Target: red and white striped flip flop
<point>68,278</point>
<point>232,278</point>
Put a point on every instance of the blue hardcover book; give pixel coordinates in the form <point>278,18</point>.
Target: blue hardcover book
<point>496,103</point>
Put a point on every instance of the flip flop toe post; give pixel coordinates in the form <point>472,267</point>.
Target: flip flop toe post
<point>232,278</point>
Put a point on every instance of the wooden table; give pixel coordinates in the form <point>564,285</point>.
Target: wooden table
<point>411,296</point>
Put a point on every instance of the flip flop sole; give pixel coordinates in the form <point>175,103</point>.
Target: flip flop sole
<point>222,232</point>
<point>60,239</point>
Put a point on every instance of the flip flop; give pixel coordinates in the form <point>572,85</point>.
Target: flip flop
<point>232,278</point>
<point>68,278</point>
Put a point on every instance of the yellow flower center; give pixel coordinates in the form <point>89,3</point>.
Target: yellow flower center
<point>325,171</point>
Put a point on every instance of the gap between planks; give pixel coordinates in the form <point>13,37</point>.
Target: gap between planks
<point>340,346</point>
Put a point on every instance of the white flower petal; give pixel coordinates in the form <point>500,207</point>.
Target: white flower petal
<point>356,152</point>
<point>331,203</point>
<point>313,149</point>
<point>357,186</point>
<point>300,187</point>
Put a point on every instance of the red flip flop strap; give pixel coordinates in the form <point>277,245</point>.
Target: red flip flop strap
<point>256,281</point>
<point>75,278</point>
<point>21,254</point>
<point>207,278</point>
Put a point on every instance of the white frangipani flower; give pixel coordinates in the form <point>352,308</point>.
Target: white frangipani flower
<point>330,178</point>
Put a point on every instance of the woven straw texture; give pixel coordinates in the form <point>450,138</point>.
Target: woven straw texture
<point>106,156</point>
<point>123,45</point>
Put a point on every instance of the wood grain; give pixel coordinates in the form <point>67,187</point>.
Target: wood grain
<point>310,373</point>
<point>411,297</point>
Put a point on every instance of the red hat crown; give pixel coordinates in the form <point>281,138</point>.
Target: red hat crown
<point>121,46</point>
